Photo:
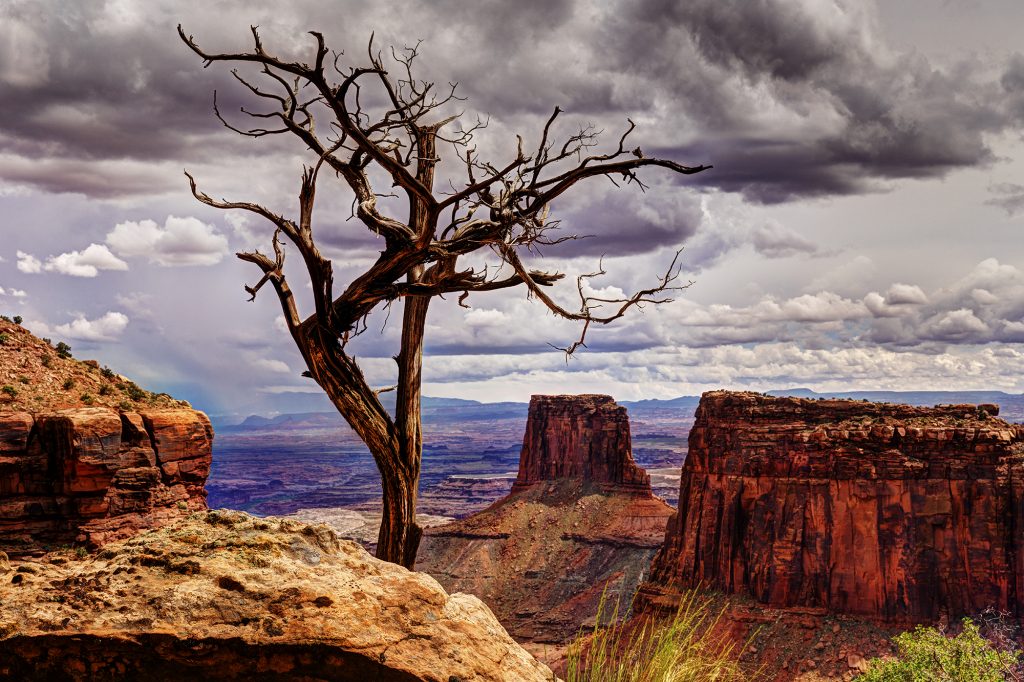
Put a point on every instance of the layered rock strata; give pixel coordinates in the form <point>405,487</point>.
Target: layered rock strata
<point>226,596</point>
<point>91,475</point>
<point>893,512</point>
<point>580,523</point>
<point>584,437</point>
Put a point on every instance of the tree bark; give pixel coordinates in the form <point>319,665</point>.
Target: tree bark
<point>399,536</point>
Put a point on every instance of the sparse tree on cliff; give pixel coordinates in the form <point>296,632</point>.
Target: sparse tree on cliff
<point>499,208</point>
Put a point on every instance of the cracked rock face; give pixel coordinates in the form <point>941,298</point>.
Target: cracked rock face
<point>223,595</point>
<point>91,475</point>
<point>584,437</point>
<point>894,512</point>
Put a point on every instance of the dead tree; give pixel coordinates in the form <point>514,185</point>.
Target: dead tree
<point>499,208</point>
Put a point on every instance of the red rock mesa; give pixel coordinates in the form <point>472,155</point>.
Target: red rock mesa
<point>580,520</point>
<point>897,513</point>
<point>582,437</point>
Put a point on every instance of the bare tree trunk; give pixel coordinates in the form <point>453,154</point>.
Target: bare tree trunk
<point>399,535</point>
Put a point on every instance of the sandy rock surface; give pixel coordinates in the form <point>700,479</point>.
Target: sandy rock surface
<point>223,595</point>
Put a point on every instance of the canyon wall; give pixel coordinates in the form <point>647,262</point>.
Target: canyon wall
<point>90,475</point>
<point>583,437</point>
<point>897,513</point>
<point>580,522</point>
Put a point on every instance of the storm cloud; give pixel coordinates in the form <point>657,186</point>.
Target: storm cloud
<point>861,222</point>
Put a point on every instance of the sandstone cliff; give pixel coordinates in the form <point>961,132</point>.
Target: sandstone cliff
<point>222,595</point>
<point>898,513</point>
<point>86,456</point>
<point>580,520</point>
<point>90,475</point>
<point>583,437</point>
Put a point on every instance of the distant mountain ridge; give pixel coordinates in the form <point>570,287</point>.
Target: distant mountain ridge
<point>447,409</point>
<point>908,397</point>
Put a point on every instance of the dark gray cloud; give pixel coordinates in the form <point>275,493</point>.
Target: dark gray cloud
<point>788,98</point>
<point>1008,196</point>
<point>792,99</point>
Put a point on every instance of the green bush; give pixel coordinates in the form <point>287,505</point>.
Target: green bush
<point>4,338</point>
<point>104,389</point>
<point>87,399</point>
<point>63,350</point>
<point>69,384</point>
<point>928,655</point>
<point>24,379</point>
<point>17,319</point>
<point>134,392</point>
<point>679,648</point>
<point>10,391</point>
<point>47,360</point>
<point>107,373</point>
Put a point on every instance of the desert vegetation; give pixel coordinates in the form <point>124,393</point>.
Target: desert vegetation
<point>685,647</point>
<point>929,654</point>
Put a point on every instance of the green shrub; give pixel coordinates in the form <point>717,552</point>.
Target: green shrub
<point>10,391</point>
<point>4,338</point>
<point>87,399</point>
<point>47,360</point>
<point>69,384</point>
<point>5,318</point>
<point>928,655</point>
<point>125,406</point>
<point>107,373</point>
<point>680,648</point>
<point>134,392</point>
<point>17,319</point>
<point>47,341</point>
<point>104,389</point>
<point>23,379</point>
<point>63,350</point>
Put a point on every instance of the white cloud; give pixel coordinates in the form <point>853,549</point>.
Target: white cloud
<point>272,365</point>
<point>905,294</point>
<point>181,241</point>
<point>898,300</point>
<point>17,293</point>
<point>29,264</point>
<point>105,328</point>
<point>85,263</point>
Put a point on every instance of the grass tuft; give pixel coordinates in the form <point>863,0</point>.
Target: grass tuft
<point>683,648</point>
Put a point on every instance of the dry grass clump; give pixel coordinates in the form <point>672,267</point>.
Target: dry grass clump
<point>684,648</point>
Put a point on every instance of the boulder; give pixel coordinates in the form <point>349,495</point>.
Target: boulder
<point>226,596</point>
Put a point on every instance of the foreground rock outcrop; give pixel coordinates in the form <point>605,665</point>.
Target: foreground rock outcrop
<point>897,513</point>
<point>580,522</point>
<point>90,475</point>
<point>226,596</point>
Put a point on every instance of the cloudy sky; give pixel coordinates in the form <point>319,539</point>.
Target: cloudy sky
<point>861,228</point>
